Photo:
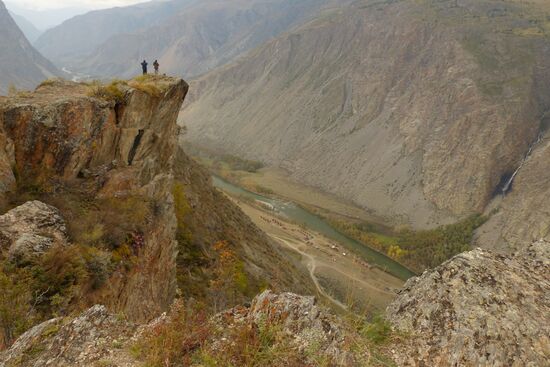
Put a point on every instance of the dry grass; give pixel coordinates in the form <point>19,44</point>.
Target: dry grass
<point>47,82</point>
<point>112,92</point>
<point>147,84</point>
<point>189,337</point>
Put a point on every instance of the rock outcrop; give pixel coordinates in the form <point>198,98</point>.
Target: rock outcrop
<point>95,338</point>
<point>418,111</point>
<point>478,309</point>
<point>311,327</point>
<point>32,229</point>
<point>98,338</point>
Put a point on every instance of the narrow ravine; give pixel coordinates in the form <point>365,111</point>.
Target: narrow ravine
<point>508,186</point>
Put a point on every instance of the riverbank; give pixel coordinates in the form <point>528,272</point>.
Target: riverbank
<point>414,250</point>
<point>341,276</point>
<point>275,182</point>
<point>298,215</point>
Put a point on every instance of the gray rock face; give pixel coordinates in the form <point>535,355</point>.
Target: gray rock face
<point>309,325</point>
<point>31,229</point>
<point>93,337</point>
<point>478,309</point>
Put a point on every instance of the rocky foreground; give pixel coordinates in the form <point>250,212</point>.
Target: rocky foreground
<point>478,309</point>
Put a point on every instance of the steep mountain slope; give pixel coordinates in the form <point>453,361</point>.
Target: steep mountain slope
<point>20,63</point>
<point>419,111</point>
<point>199,35</point>
<point>203,36</point>
<point>78,36</point>
<point>521,216</point>
<point>28,29</point>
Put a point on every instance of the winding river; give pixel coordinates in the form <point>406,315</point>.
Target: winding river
<point>299,215</point>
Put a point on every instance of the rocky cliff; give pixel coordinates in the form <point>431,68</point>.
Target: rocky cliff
<point>478,309</point>
<point>419,111</point>
<point>20,64</point>
<point>106,160</point>
<point>61,137</point>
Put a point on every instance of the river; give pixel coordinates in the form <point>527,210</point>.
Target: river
<point>297,214</point>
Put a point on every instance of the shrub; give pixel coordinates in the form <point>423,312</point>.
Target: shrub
<point>98,266</point>
<point>378,331</point>
<point>16,314</point>
<point>47,82</point>
<point>172,343</point>
<point>57,279</point>
<point>106,222</point>
<point>230,281</point>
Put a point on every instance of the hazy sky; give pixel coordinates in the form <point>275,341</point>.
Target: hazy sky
<point>55,4</point>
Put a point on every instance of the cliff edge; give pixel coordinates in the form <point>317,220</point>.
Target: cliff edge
<point>142,221</point>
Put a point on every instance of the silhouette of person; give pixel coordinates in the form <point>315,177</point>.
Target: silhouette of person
<point>144,67</point>
<point>156,65</point>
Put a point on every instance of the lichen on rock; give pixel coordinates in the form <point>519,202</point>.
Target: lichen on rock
<point>94,337</point>
<point>478,308</point>
<point>31,229</point>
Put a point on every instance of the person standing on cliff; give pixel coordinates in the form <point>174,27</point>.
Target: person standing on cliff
<point>144,67</point>
<point>156,65</point>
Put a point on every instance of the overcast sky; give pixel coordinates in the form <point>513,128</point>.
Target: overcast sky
<point>55,4</point>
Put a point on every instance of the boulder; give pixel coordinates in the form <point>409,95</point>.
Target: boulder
<point>95,338</point>
<point>477,309</point>
<point>310,326</point>
<point>30,230</point>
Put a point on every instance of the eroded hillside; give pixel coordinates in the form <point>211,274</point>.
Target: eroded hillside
<point>419,111</point>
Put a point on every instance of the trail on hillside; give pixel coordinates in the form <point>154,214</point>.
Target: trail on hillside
<point>311,266</point>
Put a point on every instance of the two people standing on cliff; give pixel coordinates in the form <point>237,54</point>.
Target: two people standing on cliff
<point>144,64</point>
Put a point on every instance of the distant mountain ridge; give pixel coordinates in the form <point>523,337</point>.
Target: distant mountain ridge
<point>28,29</point>
<point>417,111</point>
<point>188,37</point>
<point>45,18</point>
<point>77,37</point>
<point>20,64</point>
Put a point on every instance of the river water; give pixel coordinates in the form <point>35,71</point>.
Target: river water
<point>301,216</point>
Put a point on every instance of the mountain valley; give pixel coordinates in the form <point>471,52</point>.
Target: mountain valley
<point>336,183</point>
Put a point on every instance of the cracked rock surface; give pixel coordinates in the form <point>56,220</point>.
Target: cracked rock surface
<point>478,309</point>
